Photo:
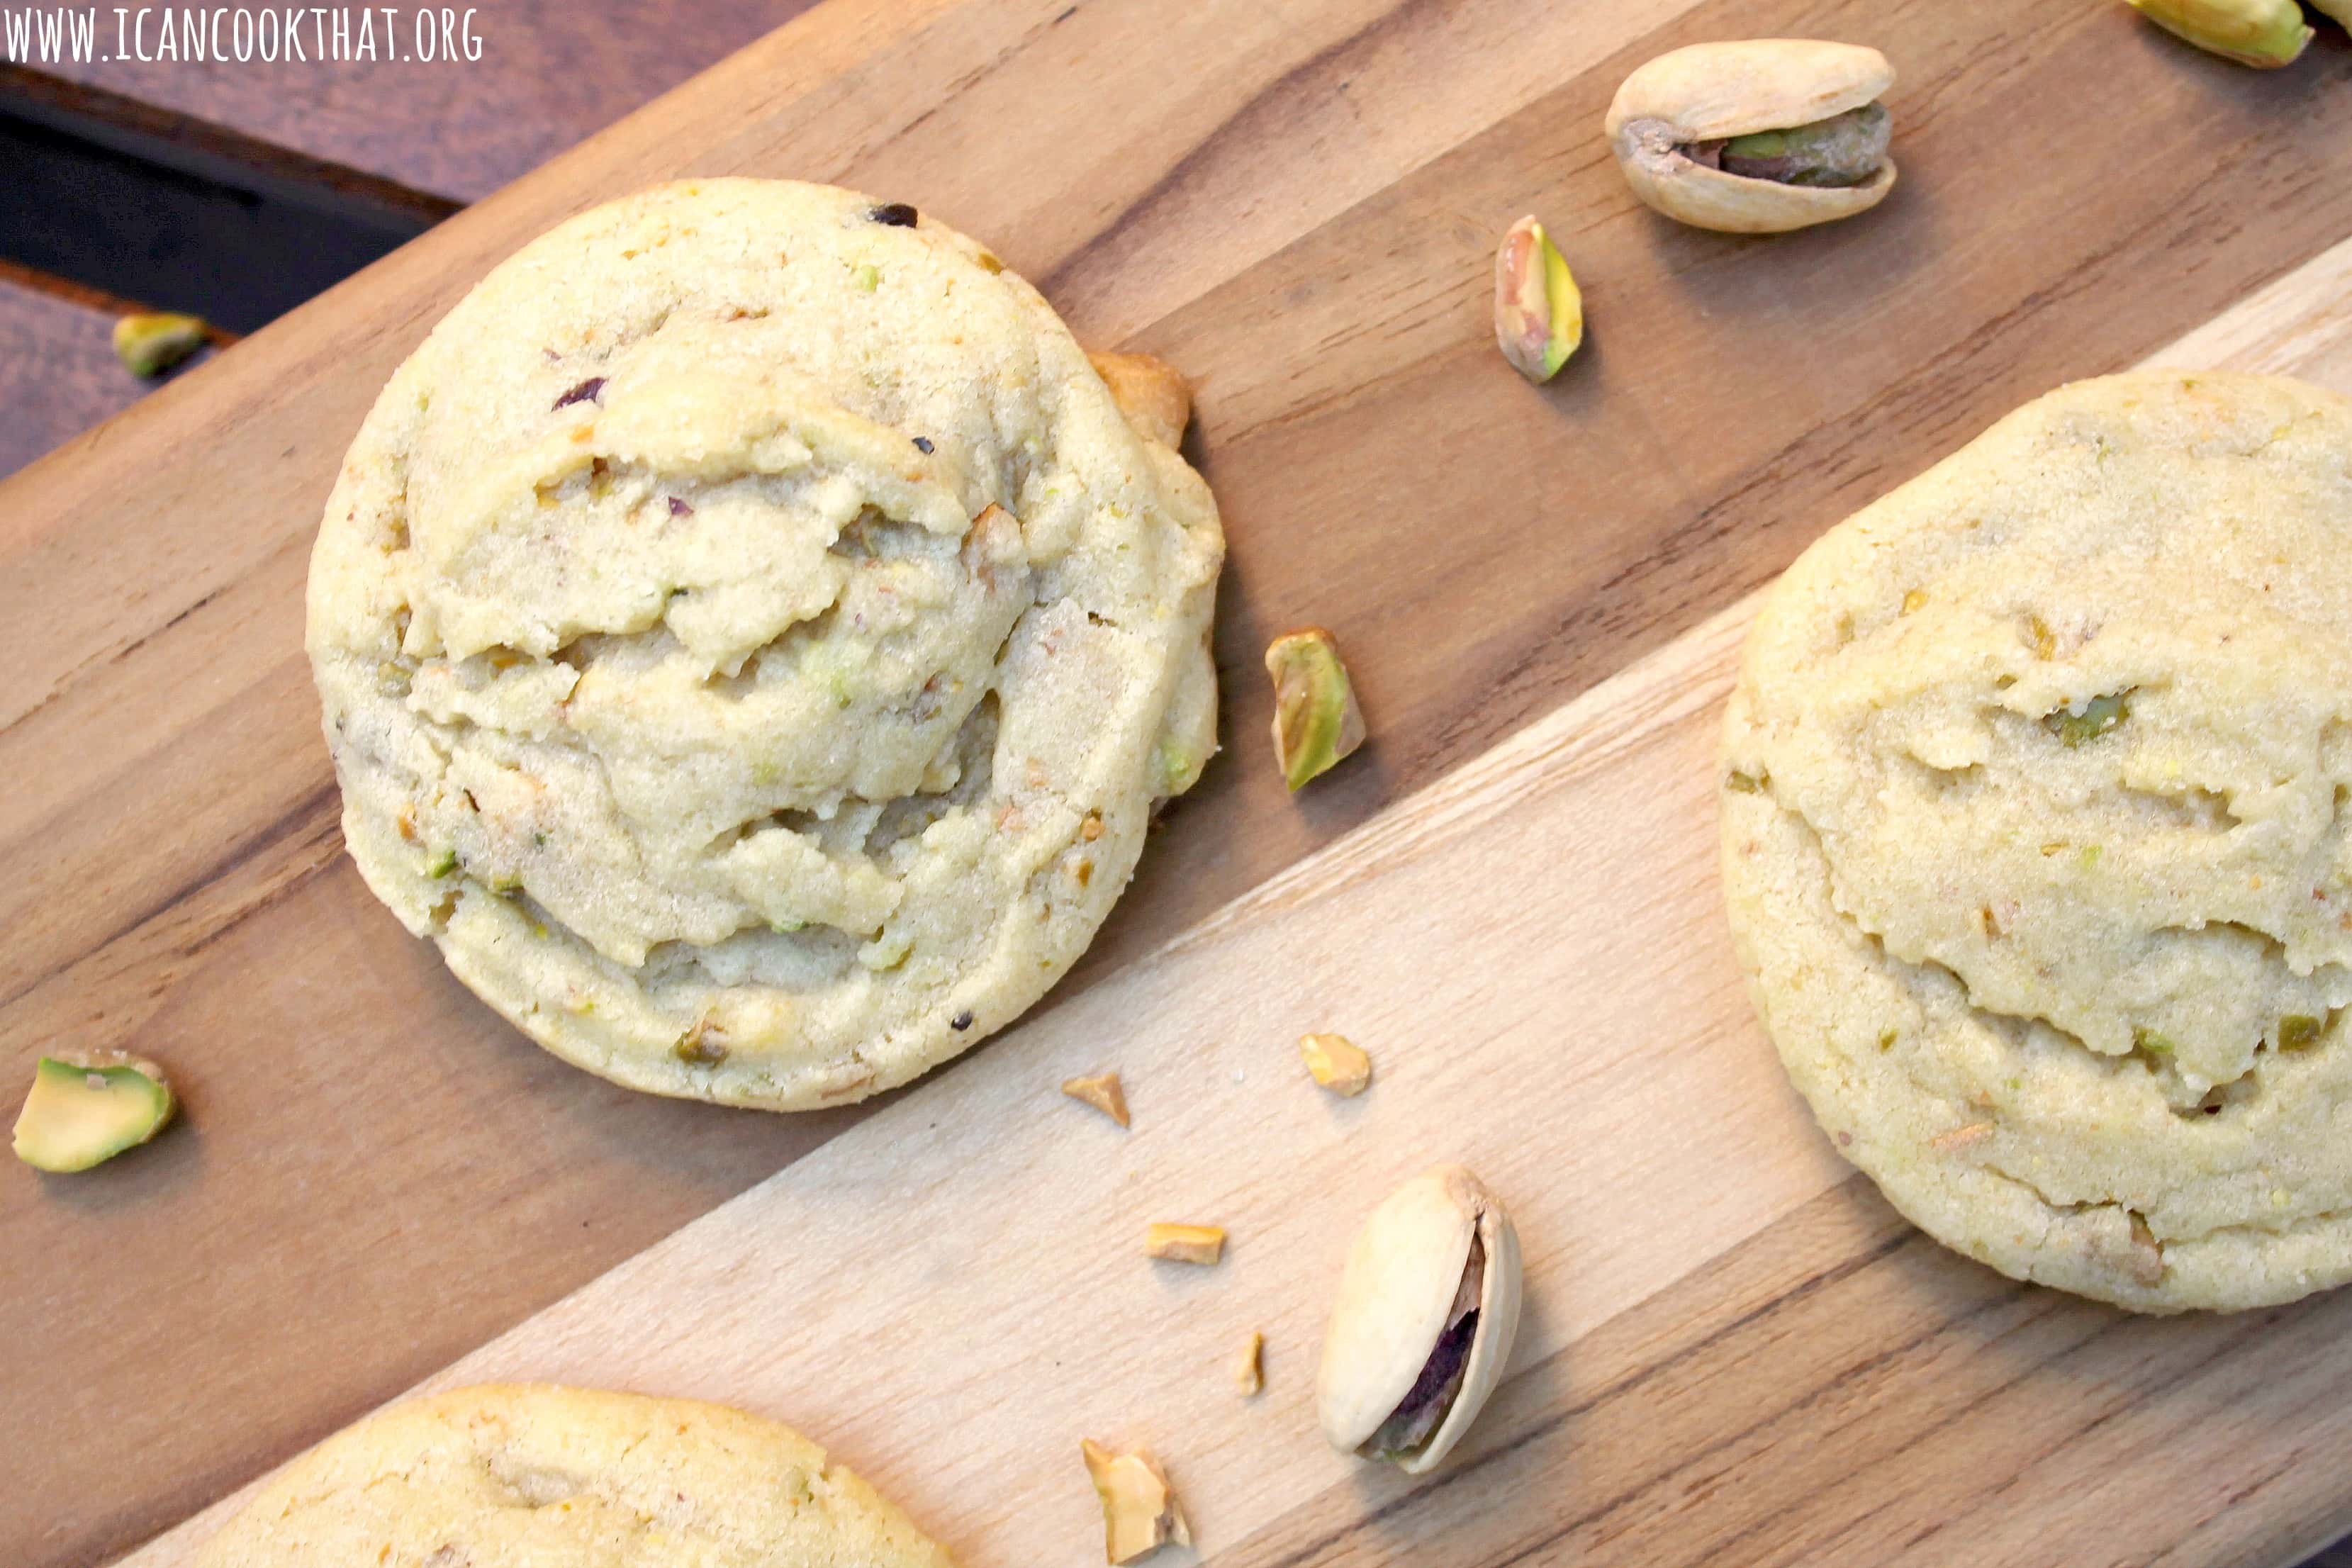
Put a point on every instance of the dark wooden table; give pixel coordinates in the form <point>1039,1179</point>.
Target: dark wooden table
<point>412,137</point>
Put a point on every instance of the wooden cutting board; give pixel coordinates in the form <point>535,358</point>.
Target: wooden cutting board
<point>1734,1353</point>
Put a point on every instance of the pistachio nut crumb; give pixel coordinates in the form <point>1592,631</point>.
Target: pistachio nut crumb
<point>1249,1365</point>
<point>700,1046</point>
<point>1201,1244</point>
<point>1336,1063</point>
<point>1139,1510</point>
<point>152,342</point>
<point>2079,725</point>
<point>1102,1092</point>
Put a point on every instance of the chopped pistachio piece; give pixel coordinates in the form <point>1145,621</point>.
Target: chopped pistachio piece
<point>1202,1243</point>
<point>1336,1063</point>
<point>152,342</point>
<point>1249,1365</point>
<point>1102,1092</point>
<point>2079,726</point>
<point>2265,34</point>
<point>1538,311</point>
<point>86,1107</point>
<point>700,1046</point>
<point>1140,1510</point>
<point>1316,720</point>
<point>2297,1030</point>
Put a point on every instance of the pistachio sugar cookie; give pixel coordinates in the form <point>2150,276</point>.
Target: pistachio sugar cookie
<point>2035,839</point>
<point>752,638</point>
<point>533,1476</point>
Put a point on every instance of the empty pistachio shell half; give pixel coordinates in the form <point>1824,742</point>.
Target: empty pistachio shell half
<point>1757,136</point>
<point>1428,1303</point>
<point>2339,9</point>
<point>2265,34</point>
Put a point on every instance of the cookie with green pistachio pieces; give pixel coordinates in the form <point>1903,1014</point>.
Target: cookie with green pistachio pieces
<point>2036,843</point>
<point>752,638</point>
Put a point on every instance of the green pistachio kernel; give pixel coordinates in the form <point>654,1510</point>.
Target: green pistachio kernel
<point>2297,1030</point>
<point>2076,727</point>
<point>1316,720</point>
<point>2265,34</point>
<point>1843,150</point>
<point>86,1108</point>
<point>149,345</point>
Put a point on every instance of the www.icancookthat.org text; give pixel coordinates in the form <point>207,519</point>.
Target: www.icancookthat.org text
<point>97,35</point>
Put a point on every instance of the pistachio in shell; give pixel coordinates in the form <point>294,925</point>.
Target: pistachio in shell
<point>1428,1304</point>
<point>1757,136</point>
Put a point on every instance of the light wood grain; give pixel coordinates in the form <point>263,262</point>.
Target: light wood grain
<point>1297,205</point>
<point>1734,1351</point>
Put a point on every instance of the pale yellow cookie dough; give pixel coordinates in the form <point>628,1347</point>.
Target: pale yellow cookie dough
<point>752,638</point>
<point>533,1476</point>
<point>2035,839</point>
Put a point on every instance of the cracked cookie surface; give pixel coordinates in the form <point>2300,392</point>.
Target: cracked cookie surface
<point>752,638</point>
<point>533,1476</point>
<point>2036,847</point>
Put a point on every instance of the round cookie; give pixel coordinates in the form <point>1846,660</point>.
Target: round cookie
<point>533,1476</point>
<point>752,638</point>
<point>2036,847</point>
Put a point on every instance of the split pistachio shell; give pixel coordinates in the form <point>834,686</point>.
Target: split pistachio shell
<point>1539,311</point>
<point>1429,1301</point>
<point>1714,92</point>
<point>2265,33</point>
<point>2339,9</point>
<point>1316,720</point>
<point>151,343</point>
